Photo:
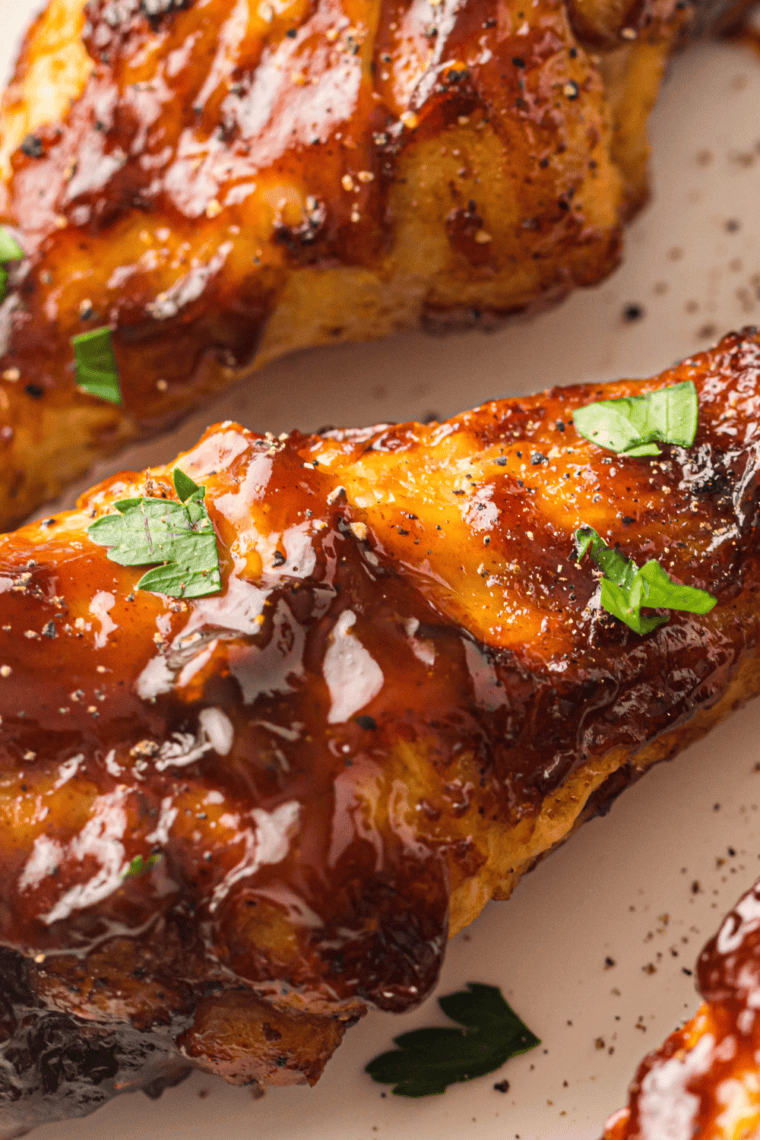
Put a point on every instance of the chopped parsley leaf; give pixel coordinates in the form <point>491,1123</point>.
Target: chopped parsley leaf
<point>10,250</point>
<point>139,866</point>
<point>631,425</point>
<point>180,536</point>
<point>626,588</point>
<point>96,370</point>
<point>427,1061</point>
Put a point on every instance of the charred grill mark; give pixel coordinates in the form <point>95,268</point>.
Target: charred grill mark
<point>297,238</point>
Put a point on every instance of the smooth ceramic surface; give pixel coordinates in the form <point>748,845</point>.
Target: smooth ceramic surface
<point>595,949</point>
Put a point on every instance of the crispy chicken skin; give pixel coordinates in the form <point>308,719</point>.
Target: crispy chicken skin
<point>403,696</point>
<point>223,181</point>
<point>704,1081</point>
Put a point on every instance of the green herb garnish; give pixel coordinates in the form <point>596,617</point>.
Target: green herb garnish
<point>626,588</point>
<point>179,535</point>
<point>10,250</point>
<point>632,424</point>
<point>427,1061</point>
<point>139,866</point>
<point>96,368</point>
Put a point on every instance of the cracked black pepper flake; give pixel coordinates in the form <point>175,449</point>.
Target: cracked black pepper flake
<point>633,313</point>
<point>537,457</point>
<point>367,722</point>
<point>35,391</point>
<point>502,1086</point>
<point>32,146</point>
<point>279,558</point>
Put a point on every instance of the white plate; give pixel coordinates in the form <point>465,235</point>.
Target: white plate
<point>623,888</point>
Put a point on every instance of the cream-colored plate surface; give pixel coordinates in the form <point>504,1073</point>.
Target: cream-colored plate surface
<point>644,887</point>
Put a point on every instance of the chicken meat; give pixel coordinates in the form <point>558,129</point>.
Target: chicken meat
<point>232,823</point>
<point>221,181</point>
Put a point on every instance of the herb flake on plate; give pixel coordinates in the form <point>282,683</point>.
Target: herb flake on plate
<point>626,587</point>
<point>96,369</point>
<point>180,536</point>
<point>632,424</point>
<point>427,1061</point>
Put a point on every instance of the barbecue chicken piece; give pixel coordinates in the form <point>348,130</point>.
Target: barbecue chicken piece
<point>704,1081</point>
<point>231,824</point>
<point>222,182</point>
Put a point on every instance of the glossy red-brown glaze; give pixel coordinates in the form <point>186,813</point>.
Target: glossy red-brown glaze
<point>462,157</point>
<point>404,665</point>
<point>195,116</point>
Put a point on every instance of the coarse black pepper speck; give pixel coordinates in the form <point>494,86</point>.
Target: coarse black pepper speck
<point>633,313</point>
<point>32,146</point>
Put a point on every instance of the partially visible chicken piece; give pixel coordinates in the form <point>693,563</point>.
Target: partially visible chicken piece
<point>403,696</point>
<point>223,181</point>
<point>704,1081</point>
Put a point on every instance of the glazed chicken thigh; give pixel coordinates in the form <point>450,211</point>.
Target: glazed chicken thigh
<point>232,823</point>
<point>223,181</point>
